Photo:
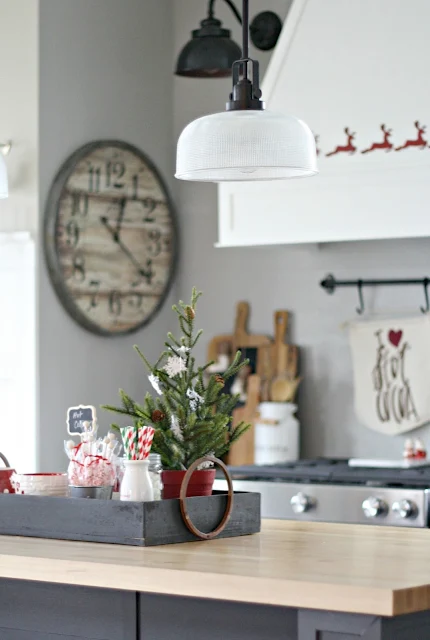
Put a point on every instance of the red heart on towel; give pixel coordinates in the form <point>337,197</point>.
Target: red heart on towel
<point>395,336</point>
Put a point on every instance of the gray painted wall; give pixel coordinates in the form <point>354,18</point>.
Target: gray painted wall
<point>287,277</point>
<point>105,71</point>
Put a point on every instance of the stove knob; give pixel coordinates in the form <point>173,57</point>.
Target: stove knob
<point>405,509</point>
<point>301,503</point>
<point>374,507</point>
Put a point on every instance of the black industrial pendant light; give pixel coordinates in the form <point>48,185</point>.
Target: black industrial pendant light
<point>245,142</point>
<point>211,52</point>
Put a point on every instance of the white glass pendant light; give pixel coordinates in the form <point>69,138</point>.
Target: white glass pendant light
<point>245,142</point>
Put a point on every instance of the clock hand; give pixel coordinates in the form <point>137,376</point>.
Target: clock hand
<point>131,257</point>
<point>120,218</point>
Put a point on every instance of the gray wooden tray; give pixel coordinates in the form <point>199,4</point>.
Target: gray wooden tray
<point>131,523</point>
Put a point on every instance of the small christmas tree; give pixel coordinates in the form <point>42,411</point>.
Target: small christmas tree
<point>192,416</point>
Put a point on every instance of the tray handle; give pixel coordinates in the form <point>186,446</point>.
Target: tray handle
<point>183,494</point>
<point>5,461</point>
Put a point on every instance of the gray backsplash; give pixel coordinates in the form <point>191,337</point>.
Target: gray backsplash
<point>288,277</point>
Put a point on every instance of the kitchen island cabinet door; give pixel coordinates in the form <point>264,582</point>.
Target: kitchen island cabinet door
<point>177,618</point>
<point>325,625</point>
<point>42,611</point>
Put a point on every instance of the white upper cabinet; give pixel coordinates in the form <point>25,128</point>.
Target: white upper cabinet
<point>357,72</point>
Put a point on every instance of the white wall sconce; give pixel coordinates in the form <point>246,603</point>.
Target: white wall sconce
<point>5,148</point>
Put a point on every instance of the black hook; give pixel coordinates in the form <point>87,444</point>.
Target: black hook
<point>360,309</point>
<point>426,309</point>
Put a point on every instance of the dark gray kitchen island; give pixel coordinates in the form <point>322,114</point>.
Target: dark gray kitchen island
<point>305,581</point>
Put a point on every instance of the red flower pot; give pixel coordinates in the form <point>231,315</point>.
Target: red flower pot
<point>201,483</point>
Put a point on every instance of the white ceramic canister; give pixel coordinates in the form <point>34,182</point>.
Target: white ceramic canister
<point>136,484</point>
<point>276,433</point>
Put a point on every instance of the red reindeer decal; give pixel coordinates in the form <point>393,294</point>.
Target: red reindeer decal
<point>386,144</point>
<point>419,140</point>
<point>347,148</point>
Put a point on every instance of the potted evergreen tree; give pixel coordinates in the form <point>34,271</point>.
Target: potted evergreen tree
<point>191,414</point>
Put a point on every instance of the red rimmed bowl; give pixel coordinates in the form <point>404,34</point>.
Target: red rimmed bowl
<point>41,484</point>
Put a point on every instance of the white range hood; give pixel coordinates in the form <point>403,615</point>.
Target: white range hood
<point>356,71</point>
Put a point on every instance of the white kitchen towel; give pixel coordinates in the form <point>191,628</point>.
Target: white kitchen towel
<point>391,362</point>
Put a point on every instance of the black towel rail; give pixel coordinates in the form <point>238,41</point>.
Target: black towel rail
<point>330,284</point>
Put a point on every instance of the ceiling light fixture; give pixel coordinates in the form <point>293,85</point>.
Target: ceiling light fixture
<point>245,142</point>
<point>5,148</point>
<point>211,52</point>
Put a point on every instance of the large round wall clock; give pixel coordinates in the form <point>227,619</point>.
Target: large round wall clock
<point>110,237</point>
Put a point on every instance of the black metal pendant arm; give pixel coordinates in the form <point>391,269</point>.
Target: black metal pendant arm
<point>246,92</point>
<point>230,4</point>
<point>245,29</point>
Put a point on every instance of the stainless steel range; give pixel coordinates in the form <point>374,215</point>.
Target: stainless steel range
<point>332,491</point>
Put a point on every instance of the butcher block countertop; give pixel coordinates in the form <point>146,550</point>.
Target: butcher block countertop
<point>349,568</point>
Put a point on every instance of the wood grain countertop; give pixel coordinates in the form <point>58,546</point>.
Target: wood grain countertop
<point>350,568</point>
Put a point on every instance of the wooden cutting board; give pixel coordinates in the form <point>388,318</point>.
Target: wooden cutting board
<point>278,358</point>
<point>284,357</point>
<point>280,350</point>
<point>242,452</point>
<point>220,344</point>
<point>265,370</point>
<point>239,339</point>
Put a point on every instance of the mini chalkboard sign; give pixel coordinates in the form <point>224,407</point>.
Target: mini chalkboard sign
<point>81,419</point>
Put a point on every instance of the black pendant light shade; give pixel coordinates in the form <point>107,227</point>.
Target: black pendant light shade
<point>210,53</point>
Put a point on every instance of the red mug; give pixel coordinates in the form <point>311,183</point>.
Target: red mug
<point>5,476</point>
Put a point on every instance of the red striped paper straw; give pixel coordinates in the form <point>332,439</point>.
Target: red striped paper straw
<point>148,441</point>
<point>146,435</point>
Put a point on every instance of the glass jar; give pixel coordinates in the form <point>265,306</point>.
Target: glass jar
<point>155,471</point>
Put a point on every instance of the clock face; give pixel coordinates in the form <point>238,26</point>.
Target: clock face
<point>110,237</point>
